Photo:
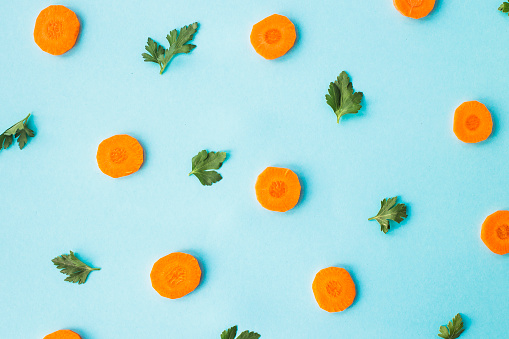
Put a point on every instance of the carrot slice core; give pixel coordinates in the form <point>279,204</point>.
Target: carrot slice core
<point>63,334</point>
<point>472,122</point>
<point>278,189</point>
<point>273,36</point>
<point>334,289</point>
<point>175,275</point>
<point>56,29</point>
<point>118,155</point>
<point>495,232</point>
<point>503,232</point>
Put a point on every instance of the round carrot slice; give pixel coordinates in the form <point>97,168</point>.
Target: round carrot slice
<point>415,9</point>
<point>334,289</point>
<point>278,189</point>
<point>495,232</point>
<point>472,122</point>
<point>119,156</point>
<point>175,275</point>
<point>63,334</point>
<point>273,36</point>
<point>56,29</point>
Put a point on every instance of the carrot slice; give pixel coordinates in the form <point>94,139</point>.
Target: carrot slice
<point>175,275</point>
<point>119,156</point>
<point>277,189</point>
<point>63,334</point>
<point>495,232</point>
<point>56,29</point>
<point>472,122</point>
<point>273,36</point>
<point>415,9</point>
<point>334,289</point>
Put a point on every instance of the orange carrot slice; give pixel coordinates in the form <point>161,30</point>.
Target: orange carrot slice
<point>415,9</point>
<point>63,334</point>
<point>472,122</point>
<point>119,156</point>
<point>334,289</point>
<point>56,29</point>
<point>273,36</point>
<point>495,232</point>
<point>278,189</point>
<point>175,275</point>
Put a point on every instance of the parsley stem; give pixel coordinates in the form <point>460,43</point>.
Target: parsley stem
<point>164,64</point>
<point>26,119</point>
<point>339,114</point>
<point>162,68</point>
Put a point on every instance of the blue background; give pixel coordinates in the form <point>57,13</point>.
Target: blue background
<point>258,265</point>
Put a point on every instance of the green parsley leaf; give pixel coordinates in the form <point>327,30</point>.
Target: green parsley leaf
<point>178,44</point>
<point>390,211</point>
<point>204,162</point>
<point>504,8</point>
<point>453,329</point>
<point>8,141</point>
<point>248,335</point>
<point>232,332</point>
<point>155,51</point>
<point>20,131</point>
<point>342,98</point>
<point>76,270</point>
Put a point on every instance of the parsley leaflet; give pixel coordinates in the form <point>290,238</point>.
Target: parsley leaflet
<point>232,332</point>
<point>504,8</point>
<point>453,329</point>
<point>20,131</point>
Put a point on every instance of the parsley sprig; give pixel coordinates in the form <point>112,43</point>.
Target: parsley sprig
<point>178,44</point>
<point>76,269</point>
<point>19,130</point>
<point>390,211</point>
<point>231,333</point>
<point>504,8</point>
<point>204,162</point>
<point>453,329</point>
<point>342,98</point>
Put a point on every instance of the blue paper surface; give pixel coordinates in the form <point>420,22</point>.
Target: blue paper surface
<point>258,265</point>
